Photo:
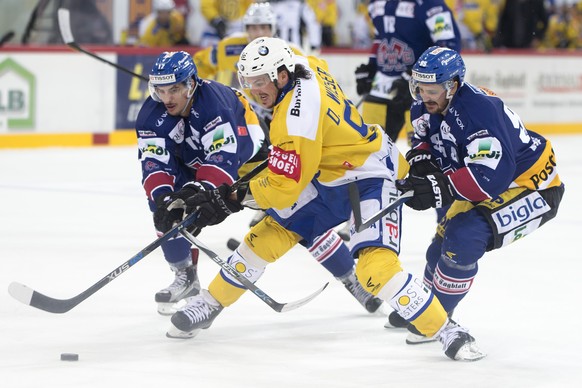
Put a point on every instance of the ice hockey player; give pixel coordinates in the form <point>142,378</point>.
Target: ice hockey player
<point>219,62</point>
<point>470,147</point>
<point>320,144</point>
<point>402,31</point>
<point>193,134</point>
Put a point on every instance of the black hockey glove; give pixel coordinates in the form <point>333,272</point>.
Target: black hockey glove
<point>170,207</point>
<point>433,190</point>
<point>213,206</point>
<point>364,77</point>
<point>220,26</point>
<point>421,163</point>
<point>402,95</point>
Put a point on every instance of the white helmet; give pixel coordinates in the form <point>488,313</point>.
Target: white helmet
<point>265,56</point>
<point>260,13</point>
<point>164,5</point>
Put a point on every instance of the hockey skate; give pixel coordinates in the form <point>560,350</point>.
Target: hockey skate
<point>199,313</point>
<point>395,321</point>
<point>369,301</point>
<point>458,344</point>
<point>186,284</point>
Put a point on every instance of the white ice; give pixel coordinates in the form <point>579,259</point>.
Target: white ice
<point>70,216</point>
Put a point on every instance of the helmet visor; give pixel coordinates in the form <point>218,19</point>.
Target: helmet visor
<point>255,82</point>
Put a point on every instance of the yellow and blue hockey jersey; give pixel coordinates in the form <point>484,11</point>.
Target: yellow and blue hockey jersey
<point>317,133</point>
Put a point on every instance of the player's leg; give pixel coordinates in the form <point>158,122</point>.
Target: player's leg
<point>381,273</point>
<point>331,252</point>
<point>183,262</point>
<point>264,243</point>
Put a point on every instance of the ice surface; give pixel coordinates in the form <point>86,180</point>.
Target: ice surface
<point>70,216</point>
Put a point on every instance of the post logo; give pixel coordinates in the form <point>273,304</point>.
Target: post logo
<point>17,96</point>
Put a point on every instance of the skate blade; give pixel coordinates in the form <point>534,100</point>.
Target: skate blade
<point>415,339</point>
<point>174,332</point>
<point>166,309</point>
<point>469,352</point>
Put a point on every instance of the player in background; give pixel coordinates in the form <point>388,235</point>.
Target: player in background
<point>320,144</point>
<point>193,135</point>
<point>402,31</point>
<point>475,150</point>
<point>223,18</point>
<point>164,27</point>
<point>290,15</point>
<point>220,62</point>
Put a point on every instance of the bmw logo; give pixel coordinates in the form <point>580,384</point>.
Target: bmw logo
<point>263,50</point>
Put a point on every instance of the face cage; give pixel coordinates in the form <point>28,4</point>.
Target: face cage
<point>190,89</point>
<point>415,90</point>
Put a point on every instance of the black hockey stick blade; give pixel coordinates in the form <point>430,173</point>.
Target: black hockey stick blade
<point>279,307</point>
<point>361,224</point>
<point>64,19</point>
<point>28,296</point>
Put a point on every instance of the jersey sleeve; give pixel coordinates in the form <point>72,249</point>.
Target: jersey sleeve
<point>443,28</point>
<point>156,152</point>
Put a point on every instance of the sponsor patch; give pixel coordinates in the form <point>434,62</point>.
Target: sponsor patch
<point>146,133</point>
<point>520,212</point>
<point>405,9</point>
<point>485,151</point>
<point>242,130</point>
<point>441,26</point>
<point>213,123</point>
<point>286,163</point>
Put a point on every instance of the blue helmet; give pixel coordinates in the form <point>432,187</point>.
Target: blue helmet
<point>437,65</point>
<point>172,68</point>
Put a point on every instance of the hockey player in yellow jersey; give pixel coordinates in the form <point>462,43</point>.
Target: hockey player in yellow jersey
<point>260,21</point>
<point>320,145</point>
<point>165,27</point>
<point>218,62</point>
<point>223,17</point>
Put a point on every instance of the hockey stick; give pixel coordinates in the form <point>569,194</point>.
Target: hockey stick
<point>278,307</point>
<point>6,38</point>
<point>362,224</point>
<point>64,19</point>
<point>28,296</point>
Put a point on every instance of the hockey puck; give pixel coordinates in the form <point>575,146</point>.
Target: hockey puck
<point>232,244</point>
<point>69,357</point>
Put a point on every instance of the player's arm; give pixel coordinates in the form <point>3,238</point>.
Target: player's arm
<point>206,62</point>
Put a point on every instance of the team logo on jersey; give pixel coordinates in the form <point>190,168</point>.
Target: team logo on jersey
<point>286,163</point>
<point>394,55</point>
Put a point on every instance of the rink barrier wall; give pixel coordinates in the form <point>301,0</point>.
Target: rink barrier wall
<point>56,97</point>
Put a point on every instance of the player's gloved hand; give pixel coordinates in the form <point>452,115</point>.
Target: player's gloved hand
<point>401,91</point>
<point>421,162</point>
<point>220,26</point>
<point>170,207</point>
<point>364,77</point>
<point>213,206</point>
<point>432,190</point>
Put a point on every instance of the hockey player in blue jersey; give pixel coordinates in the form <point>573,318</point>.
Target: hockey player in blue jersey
<point>196,135</point>
<point>402,31</point>
<point>472,150</point>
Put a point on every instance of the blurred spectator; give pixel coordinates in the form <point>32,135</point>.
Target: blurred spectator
<point>477,21</point>
<point>290,15</point>
<point>224,17</point>
<point>565,27</point>
<point>88,24</point>
<point>522,24</point>
<point>164,27</point>
<point>362,28</point>
<point>326,16</point>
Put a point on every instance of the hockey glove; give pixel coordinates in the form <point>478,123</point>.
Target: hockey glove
<point>401,92</point>
<point>364,77</point>
<point>433,190</point>
<point>421,162</point>
<point>220,26</point>
<point>213,206</point>
<point>170,207</point>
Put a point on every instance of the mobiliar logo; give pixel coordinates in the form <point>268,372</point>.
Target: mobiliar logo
<point>17,96</point>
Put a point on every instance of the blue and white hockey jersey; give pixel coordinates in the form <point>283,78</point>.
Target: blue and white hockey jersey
<point>220,134</point>
<point>483,146</point>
